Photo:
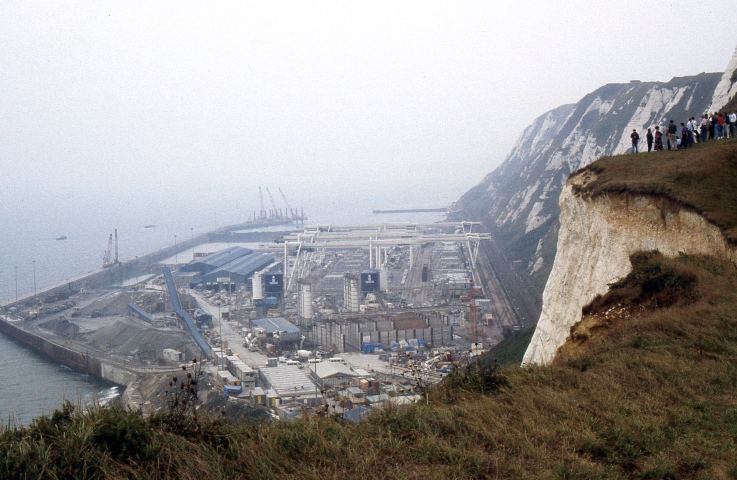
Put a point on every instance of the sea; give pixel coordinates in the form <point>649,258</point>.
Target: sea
<point>40,250</point>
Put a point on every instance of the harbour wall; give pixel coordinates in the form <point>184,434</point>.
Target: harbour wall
<point>76,360</point>
<point>79,360</point>
<point>101,368</point>
<point>148,263</point>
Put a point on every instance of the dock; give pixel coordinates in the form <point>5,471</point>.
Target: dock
<point>412,210</point>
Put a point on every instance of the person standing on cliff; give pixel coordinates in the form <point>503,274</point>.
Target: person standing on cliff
<point>649,137</point>
<point>704,128</point>
<point>672,131</point>
<point>685,137</point>
<point>658,138</point>
<point>635,140</point>
<point>693,131</point>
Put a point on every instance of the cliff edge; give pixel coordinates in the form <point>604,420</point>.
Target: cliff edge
<point>672,202</point>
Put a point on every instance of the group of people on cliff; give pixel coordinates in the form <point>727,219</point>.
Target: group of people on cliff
<point>709,127</point>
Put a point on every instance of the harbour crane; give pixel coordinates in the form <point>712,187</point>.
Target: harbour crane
<point>107,261</point>
<point>273,204</point>
<point>108,252</point>
<point>261,197</point>
<point>289,208</point>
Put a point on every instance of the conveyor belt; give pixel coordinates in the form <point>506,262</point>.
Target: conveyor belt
<point>184,315</point>
<point>141,313</point>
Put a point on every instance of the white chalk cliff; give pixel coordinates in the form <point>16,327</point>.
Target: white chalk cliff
<point>597,236</point>
<point>727,86</point>
<point>518,202</point>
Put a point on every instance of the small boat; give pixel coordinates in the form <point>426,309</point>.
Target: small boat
<point>63,237</point>
<point>150,226</point>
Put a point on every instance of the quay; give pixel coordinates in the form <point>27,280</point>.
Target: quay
<point>98,365</point>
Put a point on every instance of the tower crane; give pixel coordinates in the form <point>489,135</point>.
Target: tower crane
<point>289,208</point>
<point>107,259</point>
<point>108,253</point>
<point>273,204</point>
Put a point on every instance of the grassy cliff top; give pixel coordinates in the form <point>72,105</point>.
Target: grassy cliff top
<point>646,390</point>
<point>703,178</point>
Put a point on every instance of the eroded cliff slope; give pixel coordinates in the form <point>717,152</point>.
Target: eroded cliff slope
<point>672,202</point>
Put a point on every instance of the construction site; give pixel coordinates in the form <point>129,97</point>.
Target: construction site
<point>316,316</point>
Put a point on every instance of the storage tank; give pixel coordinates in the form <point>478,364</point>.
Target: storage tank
<point>258,291</point>
<point>351,293</point>
<point>384,280</point>
<point>369,281</point>
<point>305,300</point>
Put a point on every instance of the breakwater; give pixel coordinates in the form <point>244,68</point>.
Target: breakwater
<point>75,356</point>
<point>148,263</point>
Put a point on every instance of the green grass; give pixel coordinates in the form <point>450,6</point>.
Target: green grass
<point>649,396</point>
<point>703,179</point>
<point>510,351</point>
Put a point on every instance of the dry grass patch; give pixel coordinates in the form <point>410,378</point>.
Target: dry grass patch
<point>702,179</point>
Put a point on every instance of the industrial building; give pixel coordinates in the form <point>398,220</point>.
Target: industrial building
<point>369,281</point>
<point>279,329</point>
<point>351,293</point>
<point>332,374</point>
<point>215,260</point>
<point>238,271</point>
<point>290,384</point>
<point>230,268</point>
<point>344,334</point>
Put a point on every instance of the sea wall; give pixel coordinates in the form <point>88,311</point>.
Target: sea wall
<point>597,236</point>
<point>64,355</point>
<point>77,359</point>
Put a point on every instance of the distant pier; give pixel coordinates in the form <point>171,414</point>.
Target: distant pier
<point>411,210</point>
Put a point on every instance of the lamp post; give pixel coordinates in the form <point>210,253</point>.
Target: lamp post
<point>314,346</point>
<point>220,323</point>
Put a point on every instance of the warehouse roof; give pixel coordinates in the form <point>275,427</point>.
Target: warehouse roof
<point>287,380</point>
<point>245,265</point>
<point>276,325</point>
<point>331,369</point>
<point>216,260</point>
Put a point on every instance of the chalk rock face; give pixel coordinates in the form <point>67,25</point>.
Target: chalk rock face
<point>727,86</point>
<point>597,235</point>
<point>518,201</point>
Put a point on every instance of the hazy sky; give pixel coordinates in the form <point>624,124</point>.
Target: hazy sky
<point>388,102</point>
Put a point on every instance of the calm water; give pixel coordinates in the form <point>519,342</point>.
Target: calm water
<point>31,385</point>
